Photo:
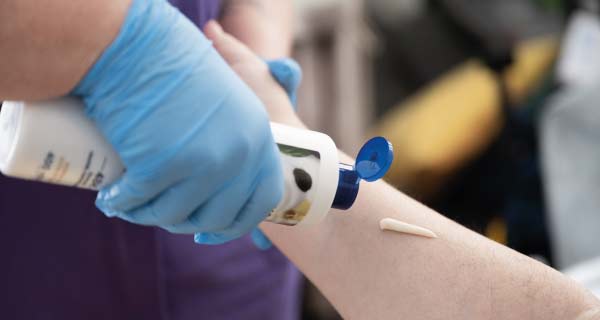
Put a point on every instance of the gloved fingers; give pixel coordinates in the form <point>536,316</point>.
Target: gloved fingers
<point>219,211</point>
<point>136,189</point>
<point>225,206</point>
<point>176,204</point>
<point>211,238</point>
<point>288,74</point>
<point>128,193</point>
<point>264,199</point>
<point>260,240</point>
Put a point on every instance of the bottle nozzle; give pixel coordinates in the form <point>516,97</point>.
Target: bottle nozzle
<point>372,163</point>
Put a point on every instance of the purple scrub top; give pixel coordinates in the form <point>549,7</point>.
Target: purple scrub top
<point>63,259</point>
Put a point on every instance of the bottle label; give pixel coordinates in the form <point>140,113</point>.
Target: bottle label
<point>301,173</point>
<point>59,169</point>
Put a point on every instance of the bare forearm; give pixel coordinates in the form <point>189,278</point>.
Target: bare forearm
<point>265,26</point>
<point>47,46</point>
<point>369,274</point>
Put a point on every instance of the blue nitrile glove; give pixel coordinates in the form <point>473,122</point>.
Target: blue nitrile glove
<point>194,138</point>
<point>288,74</point>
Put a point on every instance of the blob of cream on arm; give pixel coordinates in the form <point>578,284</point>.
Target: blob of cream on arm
<point>399,226</point>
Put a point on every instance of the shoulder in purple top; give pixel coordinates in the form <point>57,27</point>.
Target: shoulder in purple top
<point>62,259</point>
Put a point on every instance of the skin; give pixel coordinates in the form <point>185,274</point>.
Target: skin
<point>47,46</point>
<point>265,26</point>
<point>370,274</point>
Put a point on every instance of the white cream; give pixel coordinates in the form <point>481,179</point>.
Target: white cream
<point>403,227</point>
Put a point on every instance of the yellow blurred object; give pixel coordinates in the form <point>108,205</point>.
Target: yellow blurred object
<point>497,231</point>
<point>532,61</point>
<point>449,123</point>
<point>434,132</point>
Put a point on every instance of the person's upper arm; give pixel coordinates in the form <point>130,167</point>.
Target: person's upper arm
<point>46,47</point>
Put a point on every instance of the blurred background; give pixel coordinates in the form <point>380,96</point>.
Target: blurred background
<point>492,107</point>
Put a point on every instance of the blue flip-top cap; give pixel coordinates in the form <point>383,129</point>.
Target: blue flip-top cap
<point>374,159</point>
<point>372,162</point>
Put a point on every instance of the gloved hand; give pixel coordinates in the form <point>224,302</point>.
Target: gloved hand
<point>195,140</point>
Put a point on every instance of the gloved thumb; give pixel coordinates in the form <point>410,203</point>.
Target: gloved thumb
<point>260,240</point>
<point>288,74</point>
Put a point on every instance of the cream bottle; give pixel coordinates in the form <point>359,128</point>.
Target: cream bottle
<point>53,141</point>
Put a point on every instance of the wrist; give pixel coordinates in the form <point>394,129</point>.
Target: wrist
<point>152,28</point>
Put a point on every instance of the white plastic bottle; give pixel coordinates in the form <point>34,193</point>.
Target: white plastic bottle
<point>53,141</point>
